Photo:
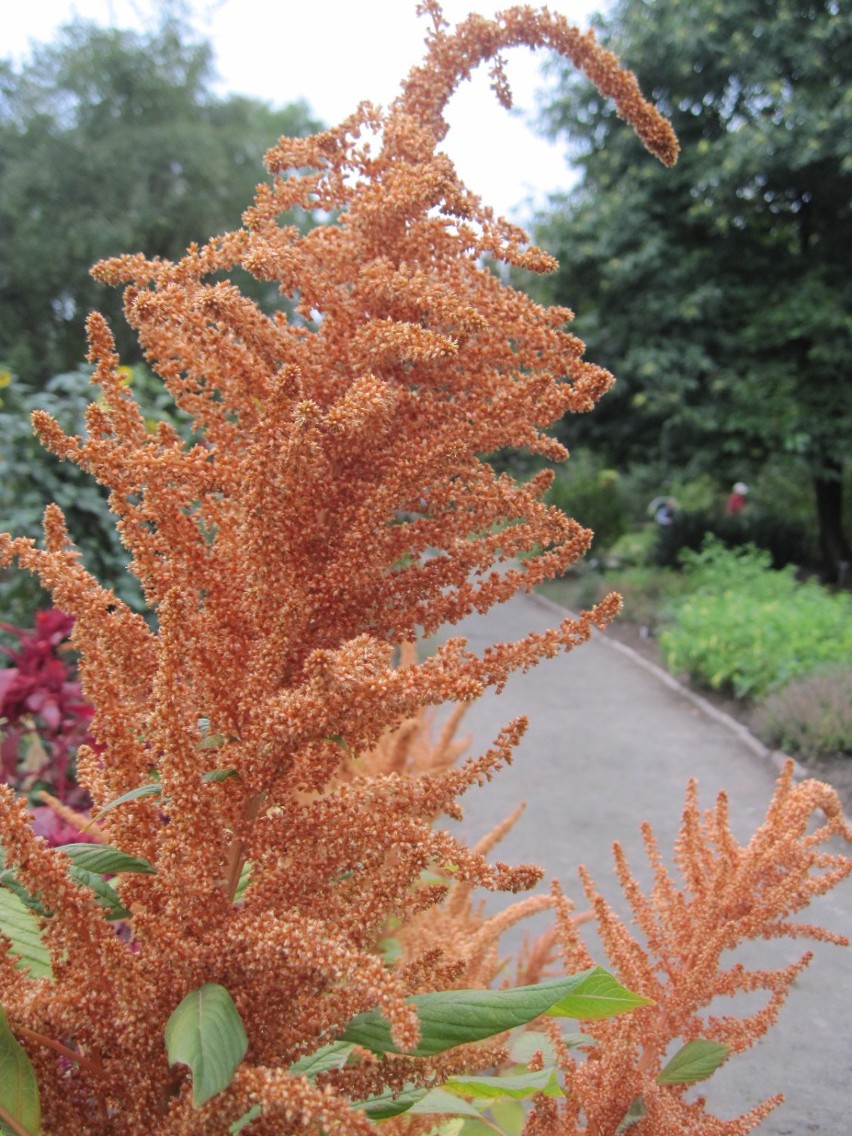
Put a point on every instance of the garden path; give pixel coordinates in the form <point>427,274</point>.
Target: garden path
<point>613,741</point>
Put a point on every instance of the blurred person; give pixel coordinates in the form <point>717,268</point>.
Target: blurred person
<point>736,499</point>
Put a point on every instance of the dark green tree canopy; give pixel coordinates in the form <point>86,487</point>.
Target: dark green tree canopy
<point>719,293</point>
<point>110,142</point>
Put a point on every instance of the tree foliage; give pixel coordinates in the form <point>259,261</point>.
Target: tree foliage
<point>723,286</point>
<point>113,140</point>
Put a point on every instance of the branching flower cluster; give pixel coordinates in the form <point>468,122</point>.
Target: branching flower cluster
<point>333,507</point>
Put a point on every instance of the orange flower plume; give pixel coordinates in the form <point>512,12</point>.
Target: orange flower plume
<point>332,506</point>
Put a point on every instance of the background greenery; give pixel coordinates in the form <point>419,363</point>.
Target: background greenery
<point>719,292</point>
<point>110,142</point>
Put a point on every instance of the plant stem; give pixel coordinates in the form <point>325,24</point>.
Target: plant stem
<point>236,853</point>
<point>84,1062</point>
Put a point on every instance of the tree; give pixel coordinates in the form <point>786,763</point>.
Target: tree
<point>112,140</point>
<point>723,286</point>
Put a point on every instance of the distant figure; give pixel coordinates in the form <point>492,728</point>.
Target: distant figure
<point>736,500</point>
<point>665,512</point>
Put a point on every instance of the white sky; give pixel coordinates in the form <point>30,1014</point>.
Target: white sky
<point>338,52</point>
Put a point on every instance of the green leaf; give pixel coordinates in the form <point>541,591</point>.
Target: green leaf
<point>634,1114</point>
<point>438,1102</point>
<point>243,881</point>
<point>102,858</point>
<point>523,1045</point>
<point>219,774</point>
<point>387,1104</point>
<point>150,790</point>
<point>598,995</point>
<point>247,1117</point>
<point>332,1056</point>
<point>467,1126</point>
<point>415,1100</point>
<point>10,881</point>
<point>458,1017</point>
<point>696,1061</point>
<point>518,1087</point>
<point>206,1033</point>
<point>18,1086</point>
<point>212,741</point>
<point>390,950</point>
<point>454,1127</point>
<point>105,895</point>
<point>508,1115</point>
<point>20,927</point>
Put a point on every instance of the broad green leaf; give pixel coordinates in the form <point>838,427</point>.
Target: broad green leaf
<point>523,1045</point>
<point>468,1126</point>
<point>508,1115</point>
<point>333,1056</point>
<point>105,895</point>
<point>519,1086</point>
<point>423,1102</point>
<point>387,1104</point>
<point>102,858</point>
<point>246,1118</point>
<point>634,1114</point>
<point>219,774</point>
<point>150,790</point>
<point>599,995</point>
<point>458,1017</point>
<point>696,1061</point>
<point>18,1086</point>
<point>9,880</point>
<point>449,1127</point>
<point>206,1033</point>
<point>437,1102</point>
<point>20,927</point>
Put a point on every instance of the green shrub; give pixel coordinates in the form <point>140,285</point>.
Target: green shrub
<point>750,629</point>
<point>647,593</point>
<point>594,496</point>
<point>633,549</point>
<point>786,540</point>
<point>810,717</point>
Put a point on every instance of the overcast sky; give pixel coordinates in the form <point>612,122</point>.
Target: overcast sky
<point>335,53</point>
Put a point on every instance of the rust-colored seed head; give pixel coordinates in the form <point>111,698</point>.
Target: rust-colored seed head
<point>333,506</point>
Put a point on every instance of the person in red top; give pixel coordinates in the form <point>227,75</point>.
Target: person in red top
<point>736,499</point>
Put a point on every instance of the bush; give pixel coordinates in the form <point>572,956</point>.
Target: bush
<point>810,717</point>
<point>786,540</point>
<point>585,489</point>
<point>634,549</point>
<point>750,629</point>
